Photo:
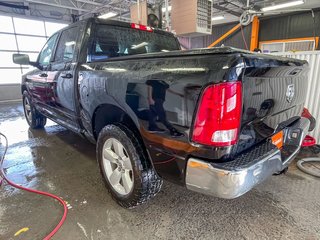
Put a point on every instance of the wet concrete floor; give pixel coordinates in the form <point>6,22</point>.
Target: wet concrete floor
<point>58,161</point>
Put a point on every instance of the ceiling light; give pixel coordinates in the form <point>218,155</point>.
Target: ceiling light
<point>282,5</point>
<point>217,18</point>
<point>108,15</point>
<point>164,9</point>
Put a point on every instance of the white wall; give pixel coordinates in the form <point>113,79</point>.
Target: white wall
<point>313,95</point>
<point>10,92</point>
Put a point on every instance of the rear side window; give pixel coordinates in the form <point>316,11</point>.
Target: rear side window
<point>67,44</point>
<point>111,41</point>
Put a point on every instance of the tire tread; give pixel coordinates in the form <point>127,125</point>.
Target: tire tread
<point>38,120</point>
<point>150,181</point>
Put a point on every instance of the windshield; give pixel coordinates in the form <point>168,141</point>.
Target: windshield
<point>111,41</point>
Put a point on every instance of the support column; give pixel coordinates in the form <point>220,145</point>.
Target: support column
<point>255,33</point>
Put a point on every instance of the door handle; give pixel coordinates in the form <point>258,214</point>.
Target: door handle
<point>68,75</point>
<point>43,75</point>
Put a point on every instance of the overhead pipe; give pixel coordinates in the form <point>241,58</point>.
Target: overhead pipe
<point>224,36</point>
<point>255,33</point>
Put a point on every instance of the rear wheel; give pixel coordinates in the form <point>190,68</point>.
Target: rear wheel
<point>124,167</point>
<point>33,117</point>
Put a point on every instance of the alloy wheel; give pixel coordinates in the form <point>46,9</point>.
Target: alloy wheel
<point>27,109</point>
<point>117,166</point>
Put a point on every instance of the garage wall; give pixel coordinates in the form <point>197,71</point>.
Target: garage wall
<point>297,25</point>
<point>293,25</point>
<point>235,40</point>
<point>10,92</point>
<point>313,95</point>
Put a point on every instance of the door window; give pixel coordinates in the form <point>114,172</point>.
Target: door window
<point>46,52</point>
<point>67,44</point>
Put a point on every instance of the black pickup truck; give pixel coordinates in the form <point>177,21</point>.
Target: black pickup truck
<point>218,121</point>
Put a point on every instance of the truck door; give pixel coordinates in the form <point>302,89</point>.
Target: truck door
<point>36,80</point>
<point>61,78</point>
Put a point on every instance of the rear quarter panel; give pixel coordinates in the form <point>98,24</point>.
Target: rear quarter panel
<point>123,83</point>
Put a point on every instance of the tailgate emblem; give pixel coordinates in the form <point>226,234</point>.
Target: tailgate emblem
<point>290,93</point>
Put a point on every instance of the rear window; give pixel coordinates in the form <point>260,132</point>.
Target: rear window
<point>111,41</point>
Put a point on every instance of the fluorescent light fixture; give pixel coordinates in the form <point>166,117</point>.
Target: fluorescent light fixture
<point>108,15</point>
<point>282,5</point>
<point>164,9</point>
<point>215,18</point>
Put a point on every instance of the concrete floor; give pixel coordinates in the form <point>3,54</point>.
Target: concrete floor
<point>58,161</point>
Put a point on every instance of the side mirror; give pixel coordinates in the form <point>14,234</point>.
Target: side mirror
<point>22,59</point>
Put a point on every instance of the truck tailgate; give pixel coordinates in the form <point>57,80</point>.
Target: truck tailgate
<point>274,91</point>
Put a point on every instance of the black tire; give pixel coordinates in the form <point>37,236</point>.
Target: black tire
<point>146,182</point>
<point>33,117</point>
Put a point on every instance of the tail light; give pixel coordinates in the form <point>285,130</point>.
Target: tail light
<point>141,27</point>
<point>309,141</point>
<point>218,118</point>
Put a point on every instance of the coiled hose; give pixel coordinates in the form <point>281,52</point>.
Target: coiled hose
<point>315,173</point>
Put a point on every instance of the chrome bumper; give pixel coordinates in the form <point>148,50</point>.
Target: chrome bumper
<point>237,177</point>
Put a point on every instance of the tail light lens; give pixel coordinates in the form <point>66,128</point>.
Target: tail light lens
<point>218,118</point>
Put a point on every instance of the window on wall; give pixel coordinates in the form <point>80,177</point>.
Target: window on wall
<point>290,45</point>
<point>51,27</point>
<point>30,44</point>
<point>20,35</point>
<point>6,24</point>
<point>27,26</point>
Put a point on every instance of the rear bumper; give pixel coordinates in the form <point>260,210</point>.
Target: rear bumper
<point>233,179</point>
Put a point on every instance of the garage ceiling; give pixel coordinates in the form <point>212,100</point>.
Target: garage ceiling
<point>89,6</point>
<point>63,9</point>
<point>232,9</point>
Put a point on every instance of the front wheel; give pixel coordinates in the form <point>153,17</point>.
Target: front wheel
<point>124,167</point>
<point>33,117</point>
